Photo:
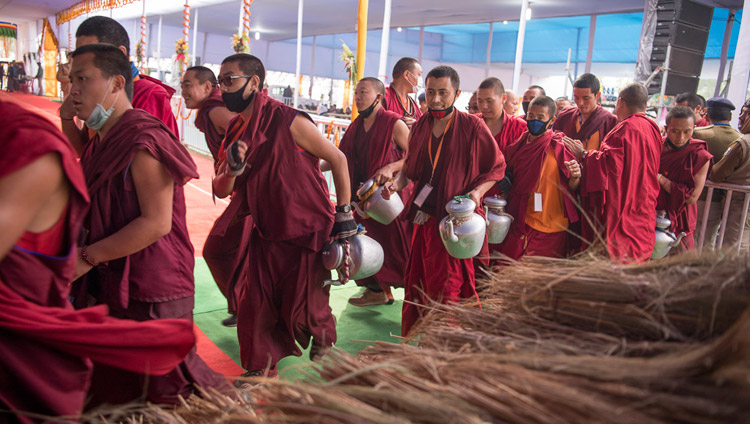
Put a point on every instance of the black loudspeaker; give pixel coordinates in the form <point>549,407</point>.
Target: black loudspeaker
<point>683,25</point>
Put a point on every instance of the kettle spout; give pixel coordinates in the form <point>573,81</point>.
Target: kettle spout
<point>677,240</point>
<point>447,232</point>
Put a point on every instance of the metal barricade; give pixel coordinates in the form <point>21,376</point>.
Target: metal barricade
<point>730,189</point>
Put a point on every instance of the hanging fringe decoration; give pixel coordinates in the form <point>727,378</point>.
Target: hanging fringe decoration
<point>140,49</point>
<point>88,6</point>
<point>183,58</point>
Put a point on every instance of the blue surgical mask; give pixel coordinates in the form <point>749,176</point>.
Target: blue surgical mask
<point>99,115</point>
<point>536,127</point>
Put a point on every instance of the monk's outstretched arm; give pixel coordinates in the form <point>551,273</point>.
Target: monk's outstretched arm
<point>307,136</point>
<point>401,139</point>
<point>223,184</point>
<point>154,188</point>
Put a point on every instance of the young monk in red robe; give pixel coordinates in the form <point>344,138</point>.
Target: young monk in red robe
<point>222,248</point>
<point>375,145</point>
<point>46,347</point>
<point>685,164</point>
<point>407,77</point>
<point>149,94</point>
<point>505,128</point>
<point>624,171</point>
<point>545,175</point>
<point>273,169</point>
<point>137,257</point>
<point>588,123</point>
<point>450,153</point>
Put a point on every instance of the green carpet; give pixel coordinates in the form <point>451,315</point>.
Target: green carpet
<point>355,324</point>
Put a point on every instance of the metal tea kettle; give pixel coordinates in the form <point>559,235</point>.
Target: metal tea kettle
<point>665,239</point>
<point>462,231</point>
<point>354,259</point>
<point>498,221</point>
<point>372,203</point>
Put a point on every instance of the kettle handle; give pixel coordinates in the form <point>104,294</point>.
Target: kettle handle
<point>486,214</point>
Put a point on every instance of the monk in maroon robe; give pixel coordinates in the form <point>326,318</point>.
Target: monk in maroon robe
<point>47,348</point>
<point>407,76</point>
<point>685,164</point>
<point>624,171</point>
<point>138,257</point>
<point>222,246</point>
<point>149,94</point>
<point>545,175</point>
<point>588,123</point>
<point>375,145</point>
<point>273,170</point>
<point>451,153</point>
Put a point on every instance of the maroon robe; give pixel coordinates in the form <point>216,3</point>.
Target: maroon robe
<point>46,348</point>
<point>366,152</point>
<point>525,161</point>
<point>703,122</point>
<point>623,172</point>
<point>600,120</point>
<point>393,103</point>
<point>469,157</point>
<point>513,127</point>
<point>285,192</point>
<point>680,167</point>
<point>156,282</point>
<point>154,97</point>
<point>204,124</point>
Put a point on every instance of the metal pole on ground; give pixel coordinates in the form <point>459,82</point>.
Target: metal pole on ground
<point>384,41</point>
<point>590,52</point>
<point>300,7</point>
<point>519,47</point>
<point>489,53</point>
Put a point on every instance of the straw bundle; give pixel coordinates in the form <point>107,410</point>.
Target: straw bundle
<point>555,341</point>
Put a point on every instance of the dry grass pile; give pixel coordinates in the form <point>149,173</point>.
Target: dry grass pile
<point>556,341</point>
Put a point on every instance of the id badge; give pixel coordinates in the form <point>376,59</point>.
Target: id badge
<point>422,196</point>
<point>537,202</point>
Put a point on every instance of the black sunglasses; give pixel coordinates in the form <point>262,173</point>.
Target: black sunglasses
<point>227,80</point>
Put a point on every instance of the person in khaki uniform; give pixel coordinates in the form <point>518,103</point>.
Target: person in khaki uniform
<point>734,168</point>
<point>718,136</point>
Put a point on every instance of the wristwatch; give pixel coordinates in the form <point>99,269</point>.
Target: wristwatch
<point>344,208</point>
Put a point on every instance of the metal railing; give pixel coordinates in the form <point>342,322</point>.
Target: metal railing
<point>730,189</point>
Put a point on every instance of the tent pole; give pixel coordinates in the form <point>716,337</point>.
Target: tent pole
<point>299,52</point>
<point>421,44</point>
<point>361,46</point>
<point>724,52</point>
<point>489,53</point>
<point>590,52</point>
<point>312,65</point>
<point>384,41</point>
<point>519,46</point>
<point>567,73</point>
<point>242,15</point>
<point>741,67</point>
<point>195,36</point>
<point>158,42</point>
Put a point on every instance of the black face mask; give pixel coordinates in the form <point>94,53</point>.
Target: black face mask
<point>367,112</point>
<point>234,101</point>
<point>525,106</point>
<point>675,148</point>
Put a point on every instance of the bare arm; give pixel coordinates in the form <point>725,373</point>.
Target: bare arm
<point>401,139</point>
<point>700,181</point>
<point>307,136</point>
<point>220,117</point>
<point>477,194</point>
<point>155,190</point>
<point>31,199</point>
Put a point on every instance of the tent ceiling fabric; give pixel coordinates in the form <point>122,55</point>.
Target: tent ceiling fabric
<point>276,19</point>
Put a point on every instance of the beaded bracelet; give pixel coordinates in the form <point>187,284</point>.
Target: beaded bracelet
<point>85,256</point>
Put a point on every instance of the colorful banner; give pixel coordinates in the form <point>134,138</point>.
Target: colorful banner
<point>49,61</point>
<point>87,6</point>
<point>8,35</point>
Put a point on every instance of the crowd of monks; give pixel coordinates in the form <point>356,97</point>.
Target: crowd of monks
<point>96,265</point>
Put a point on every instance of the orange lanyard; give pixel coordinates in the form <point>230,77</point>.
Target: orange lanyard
<point>434,161</point>
<point>233,135</point>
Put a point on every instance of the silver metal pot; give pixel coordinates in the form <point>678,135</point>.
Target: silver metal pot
<point>375,206</point>
<point>665,240</point>
<point>498,221</point>
<point>462,231</point>
<point>365,258</point>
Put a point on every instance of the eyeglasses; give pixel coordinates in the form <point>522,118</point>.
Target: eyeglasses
<point>472,108</point>
<point>228,80</point>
